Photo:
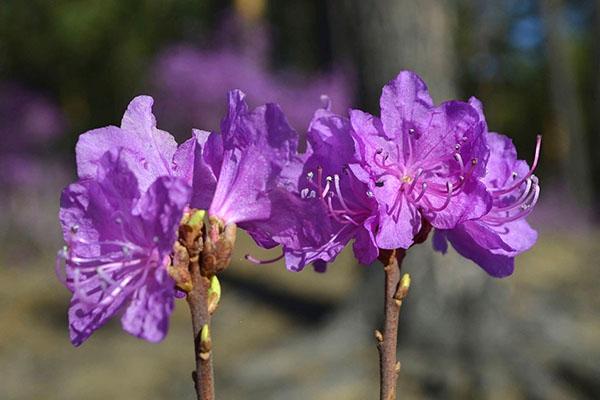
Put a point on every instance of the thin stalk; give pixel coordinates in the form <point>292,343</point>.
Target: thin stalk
<point>197,299</point>
<point>395,291</point>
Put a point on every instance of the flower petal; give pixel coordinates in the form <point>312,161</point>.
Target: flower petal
<point>147,315</point>
<point>398,231</point>
<point>495,265</point>
<point>404,101</point>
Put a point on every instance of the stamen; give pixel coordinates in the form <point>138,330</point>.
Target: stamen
<point>257,261</point>
<point>414,180</point>
<point>336,181</point>
<point>448,197</point>
<point>423,190</point>
<point>520,200</point>
<point>461,164</point>
<point>536,158</point>
<point>327,185</point>
<point>397,204</point>
<point>319,180</point>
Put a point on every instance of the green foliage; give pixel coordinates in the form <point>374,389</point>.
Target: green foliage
<point>92,55</point>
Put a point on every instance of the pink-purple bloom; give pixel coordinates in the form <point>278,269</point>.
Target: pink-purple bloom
<point>118,244</point>
<point>495,239</point>
<point>377,181</point>
<point>120,222</point>
<point>420,161</point>
<point>335,207</point>
<point>238,173</point>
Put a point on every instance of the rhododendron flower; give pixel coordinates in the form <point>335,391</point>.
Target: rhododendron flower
<point>118,245</point>
<point>152,152</point>
<point>338,206</point>
<point>420,160</point>
<point>236,172</point>
<point>495,239</point>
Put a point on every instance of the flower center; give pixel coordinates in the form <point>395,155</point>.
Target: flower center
<point>407,179</point>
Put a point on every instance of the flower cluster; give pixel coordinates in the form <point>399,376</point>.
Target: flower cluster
<point>383,182</point>
<point>120,220</point>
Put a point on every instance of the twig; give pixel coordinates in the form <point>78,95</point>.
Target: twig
<point>197,299</point>
<point>396,290</point>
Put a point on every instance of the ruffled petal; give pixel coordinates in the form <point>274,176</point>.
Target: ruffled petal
<point>405,101</point>
<point>498,266</point>
<point>365,248</point>
<point>147,316</point>
<point>398,231</point>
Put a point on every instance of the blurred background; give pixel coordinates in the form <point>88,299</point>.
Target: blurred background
<point>67,66</point>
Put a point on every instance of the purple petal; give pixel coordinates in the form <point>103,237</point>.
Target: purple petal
<point>84,319</point>
<point>404,101</point>
<point>495,265</point>
<point>471,203</point>
<point>207,166</point>
<point>240,194</point>
<point>518,235</point>
<point>159,146</point>
<point>398,232</point>
<point>147,315</point>
<point>439,241</point>
<point>150,149</point>
<point>365,248</point>
<point>161,209</point>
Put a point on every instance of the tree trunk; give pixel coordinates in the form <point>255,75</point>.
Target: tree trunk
<point>567,106</point>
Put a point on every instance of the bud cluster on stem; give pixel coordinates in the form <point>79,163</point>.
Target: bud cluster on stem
<point>202,251</point>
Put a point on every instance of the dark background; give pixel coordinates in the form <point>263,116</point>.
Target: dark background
<point>70,66</point>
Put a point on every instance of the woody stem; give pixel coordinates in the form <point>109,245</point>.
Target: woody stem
<point>389,367</point>
<point>197,300</point>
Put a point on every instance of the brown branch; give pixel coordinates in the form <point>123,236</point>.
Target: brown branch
<point>395,291</point>
<point>197,299</point>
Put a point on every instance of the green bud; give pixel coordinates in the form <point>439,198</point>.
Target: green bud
<point>197,218</point>
<point>214,294</point>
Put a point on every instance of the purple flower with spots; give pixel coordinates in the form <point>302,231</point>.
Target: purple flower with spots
<point>495,239</point>
<point>118,244</point>
<point>335,206</point>
<point>420,161</point>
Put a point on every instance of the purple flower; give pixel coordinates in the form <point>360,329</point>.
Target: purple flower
<point>237,173</point>
<point>420,161</point>
<point>118,245</point>
<point>495,239</point>
<point>334,206</point>
<point>152,152</point>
